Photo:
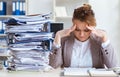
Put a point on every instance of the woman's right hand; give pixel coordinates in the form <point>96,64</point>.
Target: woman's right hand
<point>63,33</point>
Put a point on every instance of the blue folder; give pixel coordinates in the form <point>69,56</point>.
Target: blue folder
<point>2,8</point>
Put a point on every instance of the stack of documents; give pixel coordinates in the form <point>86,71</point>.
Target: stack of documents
<point>88,72</point>
<point>102,73</point>
<point>33,36</point>
<point>42,18</point>
<point>3,44</point>
<point>30,44</point>
<point>30,60</point>
<point>25,28</point>
<point>76,72</point>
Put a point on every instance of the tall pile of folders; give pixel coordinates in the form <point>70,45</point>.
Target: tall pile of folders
<point>29,43</point>
<point>18,7</point>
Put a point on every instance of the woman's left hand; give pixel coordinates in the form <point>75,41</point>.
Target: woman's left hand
<point>101,34</point>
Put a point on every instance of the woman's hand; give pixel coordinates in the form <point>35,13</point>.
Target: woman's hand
<point>63,33</point>
<point>101,34</point>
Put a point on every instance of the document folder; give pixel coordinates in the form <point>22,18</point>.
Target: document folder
<point>2,8</point>
<point>102,73</point>
<point>76,72</point>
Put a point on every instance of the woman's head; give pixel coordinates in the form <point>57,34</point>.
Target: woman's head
<point>83,17</point>
<point>85,14</point>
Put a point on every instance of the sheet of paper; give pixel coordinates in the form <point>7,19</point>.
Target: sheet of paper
<point>102,73</point>
<point>76,71</point>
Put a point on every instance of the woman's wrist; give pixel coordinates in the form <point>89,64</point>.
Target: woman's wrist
<point>104,39</point>
<point>57,40</point>
<point>105,44</point>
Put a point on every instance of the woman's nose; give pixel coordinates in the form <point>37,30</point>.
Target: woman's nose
<point>81,34</point>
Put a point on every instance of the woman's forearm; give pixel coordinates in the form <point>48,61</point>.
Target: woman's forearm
<point>57,40</point>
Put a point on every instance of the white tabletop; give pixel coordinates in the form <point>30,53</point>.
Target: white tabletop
<point>52,73</point>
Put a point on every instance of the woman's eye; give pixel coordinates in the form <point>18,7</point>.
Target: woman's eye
<point>86,30</point>
<point>77,30</point>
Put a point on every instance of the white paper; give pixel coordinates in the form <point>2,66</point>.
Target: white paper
<point>76,71</point>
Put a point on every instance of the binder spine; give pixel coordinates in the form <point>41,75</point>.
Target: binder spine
<point>18,8</point>
<point>2,8</point>
<point>13,7</point>
<point>22,7</point>
<point>17,11</point>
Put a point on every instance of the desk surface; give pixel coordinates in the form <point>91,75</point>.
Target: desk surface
<point>52,73</point>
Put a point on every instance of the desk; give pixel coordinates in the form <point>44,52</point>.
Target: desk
<point>52,73</point>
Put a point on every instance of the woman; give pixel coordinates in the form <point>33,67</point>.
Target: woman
<point>82,45</point>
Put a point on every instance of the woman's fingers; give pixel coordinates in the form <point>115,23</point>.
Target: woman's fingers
<point>92,28</point>
<point>66,32</point>
<point>73,28</point>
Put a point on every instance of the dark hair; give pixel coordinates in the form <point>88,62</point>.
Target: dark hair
<point>85,14</point>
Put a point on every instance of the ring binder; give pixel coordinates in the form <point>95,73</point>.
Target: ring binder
<point>18,7</point>
<point>2,8</point>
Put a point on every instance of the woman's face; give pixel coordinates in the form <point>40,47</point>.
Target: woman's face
<point>82,33</point>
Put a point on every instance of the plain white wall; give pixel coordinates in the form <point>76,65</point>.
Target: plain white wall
<point>107,13</point>
<point>39,6</point>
